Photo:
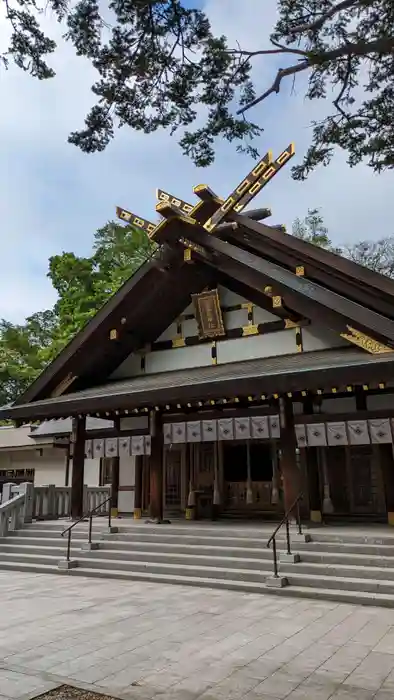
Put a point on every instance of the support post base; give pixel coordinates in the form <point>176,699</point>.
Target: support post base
<point>315,516</point>
<point>64,564</point>
<point>137,514</point>
<point>390,518</point>
<point>89,546</point>
<point>158,521</point>
<point>111,530</point>
<point>276,582</point>
<point>296,537</point>
<point>286,558</point>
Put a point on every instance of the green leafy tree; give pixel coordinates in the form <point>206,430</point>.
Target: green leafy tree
<point>24,352</point>
<point>83,285</point>
<point>160,66</point>
<point>313,230</point>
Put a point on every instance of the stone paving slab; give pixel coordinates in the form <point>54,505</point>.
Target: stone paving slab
<point>138,641</point>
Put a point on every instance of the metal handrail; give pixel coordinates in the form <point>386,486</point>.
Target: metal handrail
<point>285,521</point>
<point>89,515</point>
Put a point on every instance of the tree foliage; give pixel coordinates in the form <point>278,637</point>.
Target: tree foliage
<point>312,230</point>
<point>83,285</point>
<point>160,66</point>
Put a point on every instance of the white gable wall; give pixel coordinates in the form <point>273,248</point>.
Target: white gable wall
<point>231,350</point>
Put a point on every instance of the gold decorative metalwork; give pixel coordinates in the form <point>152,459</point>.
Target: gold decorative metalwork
<point>187,255</point>
<point>365,341</point>
<point>214,354</point>
<point>63,385</point>
<point>299,339</point>
<point>178,342</point>
<point>184,207</point>
<point>113,334</point>
<point>208,314</point>
<point>265,177</point>
<point>300,270</point>
<point>251,329</point>
<point>276,302</point>
<point>290,324</point>
<point>230,203</point>
<point>136,221</point>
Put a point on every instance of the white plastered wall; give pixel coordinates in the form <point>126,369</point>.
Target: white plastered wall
<point>314,338</point>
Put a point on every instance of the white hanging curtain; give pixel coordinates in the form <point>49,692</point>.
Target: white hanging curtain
<point>300,433</point>
<point>358,432</point>
<point>179,432</point>
<point>193,431</point>
<point>125,446</point>
<point>316,433</point>
<point>274,424</point>
<point>380,430</point>
<point>88,449</point>
<point>336,433</point>
<point>242,428</point>
<point>209,430</point>
<point>225,429</point>
<point>259,427</point>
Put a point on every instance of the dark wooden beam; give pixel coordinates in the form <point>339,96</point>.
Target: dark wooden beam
<point>310,299</point>
<point>156,468</point>
<point>78,461</point>
<point>280,251</point>
<point>330,261</point>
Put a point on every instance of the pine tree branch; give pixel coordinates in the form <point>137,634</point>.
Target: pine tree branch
<point>383,45</point>
<point>318,23</point>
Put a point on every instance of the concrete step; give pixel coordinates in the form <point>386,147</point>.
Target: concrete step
<point>345,548</point>
<point>340,570</point>
<point>196,571</point>
<point>164,537</point>
<point>296,591</point>
<point>113,556</point>
<point>353,536</point>
<point>42,533</point>
<point>21,549</point>
<point>330,558</point>
<point>186,570</point>
<point>171,548</point>
<point>340,583</point>
<point>217,560</point>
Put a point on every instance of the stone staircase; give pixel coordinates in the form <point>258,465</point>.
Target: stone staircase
<point>342,564</point>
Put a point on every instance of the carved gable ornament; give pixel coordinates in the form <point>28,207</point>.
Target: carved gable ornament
<point>208,314</point>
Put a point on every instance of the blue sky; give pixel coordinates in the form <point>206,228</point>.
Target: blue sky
<point>53,197</point>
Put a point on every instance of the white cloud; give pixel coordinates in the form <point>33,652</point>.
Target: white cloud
<point>53,197</point>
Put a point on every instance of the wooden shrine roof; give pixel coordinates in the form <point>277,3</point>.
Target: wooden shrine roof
<point>309,370</point>
<point>227,247</point>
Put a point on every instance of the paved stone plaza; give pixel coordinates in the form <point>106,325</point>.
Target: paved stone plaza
<point>133,640</point>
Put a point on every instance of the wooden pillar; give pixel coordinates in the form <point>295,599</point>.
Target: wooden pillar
<point>138,488</point>
<point>288,463</point>
<point>387,465</point>
<point>156,467</point>
<point>114,486</point>
<point>78,439</point>
<point>312,470</point>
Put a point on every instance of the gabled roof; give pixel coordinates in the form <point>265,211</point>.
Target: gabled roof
<point>294,373</point>
<point>226,247</point>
